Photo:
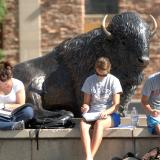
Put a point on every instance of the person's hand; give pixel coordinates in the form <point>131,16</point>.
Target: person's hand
<point>103,115</point>
<point>155,113</point>
<point>84,108</point>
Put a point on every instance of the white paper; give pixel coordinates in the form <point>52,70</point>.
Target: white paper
<point>156,118</point>
<point>5,113</point>
<point>1,105</point>
<point>91,116</point>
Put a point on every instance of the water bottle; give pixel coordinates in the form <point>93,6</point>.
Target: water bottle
<point>134,117</point>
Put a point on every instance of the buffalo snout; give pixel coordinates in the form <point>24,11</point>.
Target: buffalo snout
<point>143,61</point>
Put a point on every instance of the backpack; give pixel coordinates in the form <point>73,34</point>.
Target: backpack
<point>60,119</point>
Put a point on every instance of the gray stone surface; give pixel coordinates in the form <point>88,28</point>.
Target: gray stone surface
<point>143,145</point>
<point>127,120</point>
<point>17,134</point>
<point>114,147</point>
<point>142,132</point>
<point>57,149</point>
<point>15,149</point>
<point>60,144</point>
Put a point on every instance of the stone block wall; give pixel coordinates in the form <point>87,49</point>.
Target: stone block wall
<point>60,19</point>
<point>10,31</point>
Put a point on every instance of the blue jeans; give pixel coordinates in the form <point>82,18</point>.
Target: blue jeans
<point>24,114</point>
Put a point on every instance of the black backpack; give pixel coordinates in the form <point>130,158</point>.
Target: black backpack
<point>60,119</point>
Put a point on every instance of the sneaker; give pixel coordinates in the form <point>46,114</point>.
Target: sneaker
<point>19,125</point>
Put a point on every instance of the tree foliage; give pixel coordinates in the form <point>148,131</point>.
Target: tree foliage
<point>2,10</point>
<point>2,15</point>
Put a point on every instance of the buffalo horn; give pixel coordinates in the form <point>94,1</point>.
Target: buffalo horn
<point>155,26</point>
<point>104,27</point>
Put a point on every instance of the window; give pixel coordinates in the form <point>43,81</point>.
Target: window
<point>101,6</point>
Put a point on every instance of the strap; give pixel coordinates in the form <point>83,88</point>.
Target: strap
<point>37,137</point>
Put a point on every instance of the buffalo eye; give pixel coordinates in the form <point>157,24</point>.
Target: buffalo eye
<point>123,42</point>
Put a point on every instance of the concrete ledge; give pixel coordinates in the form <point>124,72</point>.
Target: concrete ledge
<point>59,133</point>
<point>17,134</point>
<point>142,132</point>
<point>118,133</point>
<point>59,143</point>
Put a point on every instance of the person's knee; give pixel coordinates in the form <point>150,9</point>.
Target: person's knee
<point>82,124</point>
<point>29,113</point>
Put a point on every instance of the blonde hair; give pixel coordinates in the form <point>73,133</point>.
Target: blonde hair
<point>103,63</point>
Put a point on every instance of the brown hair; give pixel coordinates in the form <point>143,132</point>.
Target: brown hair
<point>103,63</point>
<point>5,71</point>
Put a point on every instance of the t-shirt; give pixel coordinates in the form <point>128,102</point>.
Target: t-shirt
<point>101,91</point>
<point>151,89</point>
<point>11,97</point>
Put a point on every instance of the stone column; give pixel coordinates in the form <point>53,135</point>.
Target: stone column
<point>29,29</point>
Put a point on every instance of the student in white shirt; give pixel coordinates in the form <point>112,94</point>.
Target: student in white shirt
<point>12,96</point>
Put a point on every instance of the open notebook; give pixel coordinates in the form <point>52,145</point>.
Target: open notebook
<point>5,113</point>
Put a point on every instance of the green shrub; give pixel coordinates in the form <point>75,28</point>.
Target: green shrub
<point>2,16</point>
<point>1,54</point>
<point>2,10</point>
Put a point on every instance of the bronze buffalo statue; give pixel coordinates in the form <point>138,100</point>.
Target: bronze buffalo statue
<point>54,80</point>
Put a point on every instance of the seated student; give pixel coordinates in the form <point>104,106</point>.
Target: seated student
<point>151,102</point>
<point>12,96</point>
<point>101,94</point>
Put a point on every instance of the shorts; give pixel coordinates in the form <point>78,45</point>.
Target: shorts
<point>116,119</point>
<point>152,123</point>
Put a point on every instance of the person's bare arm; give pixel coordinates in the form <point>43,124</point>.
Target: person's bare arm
<point>148,109</point>
<point>113,108</point>
<point>86,103</point>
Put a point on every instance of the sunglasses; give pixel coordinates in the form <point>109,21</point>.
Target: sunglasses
<point>101,75</point>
